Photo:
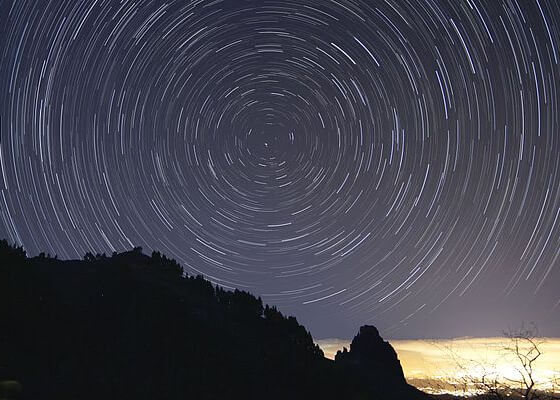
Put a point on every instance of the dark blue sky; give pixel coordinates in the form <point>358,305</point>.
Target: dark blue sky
<point>385,162</point>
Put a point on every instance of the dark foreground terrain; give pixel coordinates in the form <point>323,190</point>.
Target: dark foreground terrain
<point>132,326</point>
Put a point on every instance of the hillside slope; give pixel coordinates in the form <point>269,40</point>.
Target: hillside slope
<point>132,326</point>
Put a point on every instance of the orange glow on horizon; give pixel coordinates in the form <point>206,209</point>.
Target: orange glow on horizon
<point>444,366</point>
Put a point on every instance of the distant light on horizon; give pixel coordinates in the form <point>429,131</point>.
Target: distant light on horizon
<point>444,365</point>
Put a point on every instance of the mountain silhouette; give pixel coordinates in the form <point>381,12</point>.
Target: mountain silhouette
<point>371,356</point>
<point>133,326</point>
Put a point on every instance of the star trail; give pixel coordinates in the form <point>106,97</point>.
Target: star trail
<point>348,160</point>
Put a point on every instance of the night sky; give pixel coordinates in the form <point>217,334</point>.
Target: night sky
<point>352,161</point>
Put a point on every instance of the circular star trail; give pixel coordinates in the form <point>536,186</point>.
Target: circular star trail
<point>348,160</point>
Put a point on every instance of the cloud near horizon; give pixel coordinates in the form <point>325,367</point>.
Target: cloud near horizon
<point>440,365</point>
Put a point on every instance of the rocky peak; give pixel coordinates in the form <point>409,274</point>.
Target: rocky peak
<point>372,356</point>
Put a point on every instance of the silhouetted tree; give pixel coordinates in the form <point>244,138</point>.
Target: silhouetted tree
<point>10,252</point>
<point>523,346</point>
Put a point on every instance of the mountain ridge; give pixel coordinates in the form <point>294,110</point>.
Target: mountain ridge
<point>135,326</point>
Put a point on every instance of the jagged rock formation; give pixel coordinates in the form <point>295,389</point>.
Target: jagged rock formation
<point>373,356</point>
<point>374,361</point>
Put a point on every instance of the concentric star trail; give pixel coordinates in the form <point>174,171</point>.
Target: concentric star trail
<point>346,159</point>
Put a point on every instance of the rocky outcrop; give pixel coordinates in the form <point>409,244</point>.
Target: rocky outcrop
<point>372,359</point>
<point>373,356</point>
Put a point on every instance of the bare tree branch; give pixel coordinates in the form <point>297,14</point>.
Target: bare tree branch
<point>524,345</point>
